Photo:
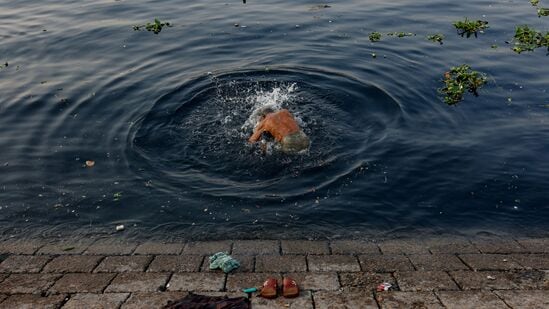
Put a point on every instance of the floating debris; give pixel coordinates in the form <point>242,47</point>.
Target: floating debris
<point>438,37</point>
<point>543,12</point>
<point>528,39</point>
<point>534,2</point>
<point>120,227</point>
<point>457,80</point>
<point>401,34</point>
<point>468,27</point>
<point>155,27</point>
<point>117,196</point>
<point>319,7</point>
<point>374,36</point>
<point>90,163</point>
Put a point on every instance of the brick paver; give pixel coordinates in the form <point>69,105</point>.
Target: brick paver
<point>304,301</point>
<point>82,283</point>
<point>403,246</point>
<point>20,247</point>
<point>353,247</point>
<point>150,248</point>
<point>304,247</point>
<point>24,263</point>
<point>207,247</point>
<point>498,245</point>
<point>487,280</point>
<point>396,299</point>
<point>535,245</point>
<point>33,301</point>
<point>253,247</point>
<point>96,301</point>
<point>424,281</point>
<point>316,281</point>
<point>525,299</point>
<point>470,299</point>
<point>65,247</point>
<point>72,264</point>
<point>344,300</point>
<point>450,245</point>
<point>27,283</point>
<point>196,282</point>
<point>333,263</point>
<point>385,263</point>
<point>535,261</point>
<point>175,263</point>
<point>109,247</point>
<point>123,264</point>
<point>151,300</point>
<point>483,272</point>
<point>365,280</point>
<point>277,263</point>
<point>436,262</point>
<point>138,282</point>
<point>490,261</point>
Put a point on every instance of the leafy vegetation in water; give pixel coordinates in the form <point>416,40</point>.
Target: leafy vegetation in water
<point>400,34</point>
<point>5,65</point>
<point>528,39</point>
<point>468,27</point>
<point>155,27</point>
<point>438,37</point>
<point>543,12</point>
<point>374,36</point>
<point>459,79</point>
<point>534,2</point>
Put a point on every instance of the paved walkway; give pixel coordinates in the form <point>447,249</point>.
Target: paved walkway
<point>428,273</point>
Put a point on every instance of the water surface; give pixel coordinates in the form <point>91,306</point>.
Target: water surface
<point>166,118</point>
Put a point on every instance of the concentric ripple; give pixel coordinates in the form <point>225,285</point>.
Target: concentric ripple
<point>194,139</point>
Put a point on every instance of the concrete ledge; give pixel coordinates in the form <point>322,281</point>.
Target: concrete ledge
<point>434,273</point>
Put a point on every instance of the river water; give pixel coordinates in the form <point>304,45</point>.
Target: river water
<point>165,118</point>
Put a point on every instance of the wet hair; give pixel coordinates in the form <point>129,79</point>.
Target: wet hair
<point>266,110</point>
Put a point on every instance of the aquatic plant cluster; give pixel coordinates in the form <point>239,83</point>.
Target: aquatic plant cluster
<point>528,39</point>
<point>469,27</point>
<point>459,79</point>
<point>155,26</point>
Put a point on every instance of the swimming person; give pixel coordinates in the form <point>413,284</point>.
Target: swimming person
<point>283,127</point>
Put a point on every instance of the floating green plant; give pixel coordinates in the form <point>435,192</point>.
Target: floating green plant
<point>468,27</point>
<point>459,79</point>
<point>543,12</point>
<point>528,39</point>
<point>374,36</point>
<point>438,37</point>
<point>400,34</point>
<point>534,2</point>
<point>155,27</point>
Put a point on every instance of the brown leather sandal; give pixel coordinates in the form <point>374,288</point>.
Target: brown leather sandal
<point>289,288</point>
<point>269,289</point>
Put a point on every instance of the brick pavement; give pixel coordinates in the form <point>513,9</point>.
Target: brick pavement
<point>438,272</point>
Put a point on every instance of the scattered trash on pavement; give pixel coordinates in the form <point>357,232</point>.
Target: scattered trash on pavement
<point>385,286</point>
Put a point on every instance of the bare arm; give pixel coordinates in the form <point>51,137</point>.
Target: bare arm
<point>257,133</point>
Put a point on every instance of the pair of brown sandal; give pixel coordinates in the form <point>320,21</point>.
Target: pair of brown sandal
<point>270,288</point>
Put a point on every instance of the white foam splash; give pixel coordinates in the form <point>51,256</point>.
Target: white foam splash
<point>275,99</point>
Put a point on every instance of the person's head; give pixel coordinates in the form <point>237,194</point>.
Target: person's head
<point>265,111</point>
